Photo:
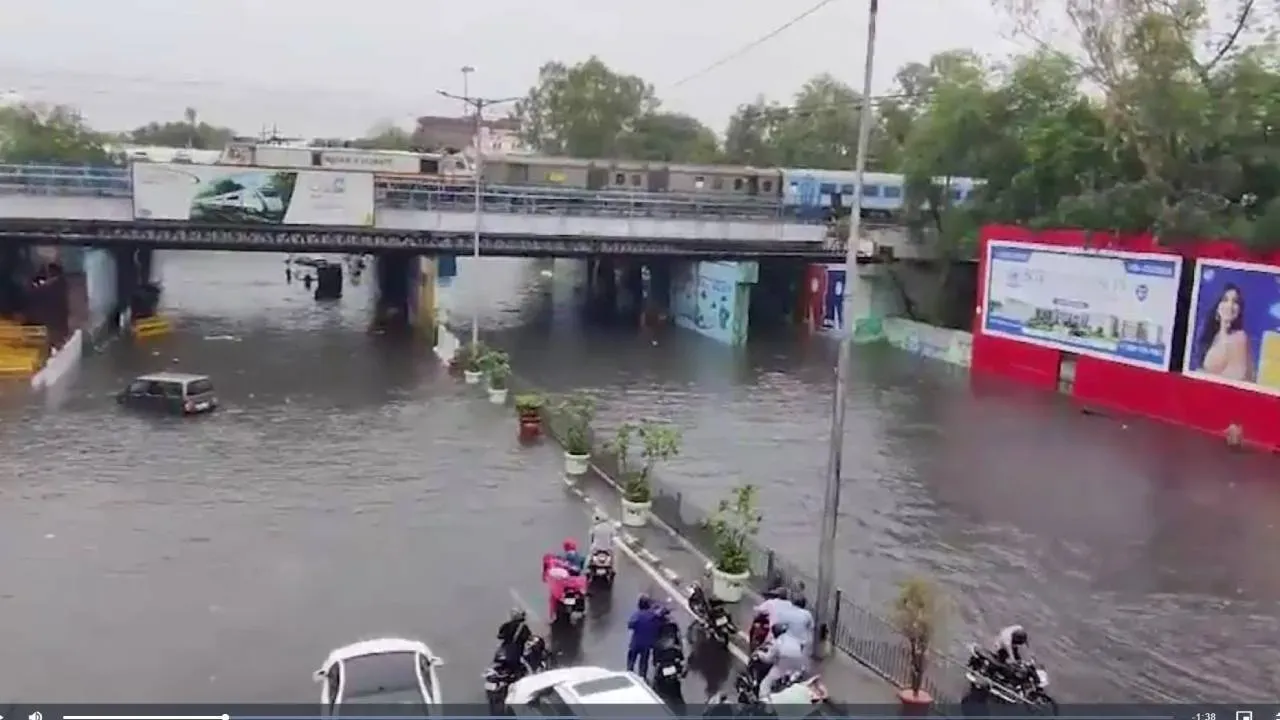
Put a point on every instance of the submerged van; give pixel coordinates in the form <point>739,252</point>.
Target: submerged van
<point>175,393</point>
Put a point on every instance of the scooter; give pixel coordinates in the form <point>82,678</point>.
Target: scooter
<point>572,608</point>
<point>600,572</point>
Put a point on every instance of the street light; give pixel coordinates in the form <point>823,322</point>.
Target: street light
<point>479,104</point>
<point>831,497</point>
<point>466,84</point>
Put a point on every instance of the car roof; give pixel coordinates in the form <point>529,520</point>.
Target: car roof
<point>377,646</point>
<point>616,688</point>
<point>171,377</point>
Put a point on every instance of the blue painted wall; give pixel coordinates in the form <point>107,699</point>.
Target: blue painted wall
<point>714,298</point>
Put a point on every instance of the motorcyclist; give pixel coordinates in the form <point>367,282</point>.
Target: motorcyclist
<point>513,637</point>
<point>600,538</point>
<point>668,637</point>
<point>644,625</point>
<point>1010,646</point>
<point>537,655</point>
<point>573,560</point>
<point>799,621</point>
<point>559,580</point>
<point>777,607</point>
<point>785,656</point>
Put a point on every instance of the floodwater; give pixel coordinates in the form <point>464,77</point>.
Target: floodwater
<point>1137,555</point>
<point>350,488</point>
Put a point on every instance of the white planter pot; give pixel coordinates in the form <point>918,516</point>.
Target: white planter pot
<point>635,514</point>
<point>498,396</point>
<point>728,586</point>
<point>576,464</point>
<point>472,377</point>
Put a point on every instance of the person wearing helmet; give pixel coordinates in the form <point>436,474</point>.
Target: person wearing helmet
<point>573,560</point>
<point>1010,646</point>
<point>785,656</point>
<point>513,636</point>
<point>600,538</point>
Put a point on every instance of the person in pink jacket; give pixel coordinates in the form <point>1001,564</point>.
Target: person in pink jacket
<point>559,577</point>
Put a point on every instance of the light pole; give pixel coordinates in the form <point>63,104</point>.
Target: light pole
<point>479,104</point>
<point>466,85</point>
<point>831,497</point>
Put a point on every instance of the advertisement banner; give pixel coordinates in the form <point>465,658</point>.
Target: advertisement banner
<point>225,194</point>
<point>1234,336</point>
<point>1108,304</point>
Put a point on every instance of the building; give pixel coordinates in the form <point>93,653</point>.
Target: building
<point>439,132</point>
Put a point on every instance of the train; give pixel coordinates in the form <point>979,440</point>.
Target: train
<point>827,193</point>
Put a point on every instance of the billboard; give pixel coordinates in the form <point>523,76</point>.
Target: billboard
<point>1108,304</point>
<point>226,194</point>
<point>1234,336</point>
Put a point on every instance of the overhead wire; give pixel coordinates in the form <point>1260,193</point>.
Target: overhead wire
<point>748,47</point>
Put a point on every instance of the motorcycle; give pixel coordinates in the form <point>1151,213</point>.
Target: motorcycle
<point>600,572</point>
<point>991,680</point>
<point>669,671</point>
<point>758,634</point>
<point>572,608</point>
<point>711,619</point>
<point>498,679</point>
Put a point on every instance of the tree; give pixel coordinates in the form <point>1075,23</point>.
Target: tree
<point>33,134</point>
<point>189,133</point>
<point>670,137</point>
<point>584,110</point>
<point>753,132</point>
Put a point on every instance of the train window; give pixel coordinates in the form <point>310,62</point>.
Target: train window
<point>317,158</point>
<point>766,186</point>
<point>428,166</point>
<point>620,179</point>
<point>846,189</point>
<point>635,179</point>
<point>870,191</point>
<point>738,183</point>
<point>892,191</point>
<point>828,189</point>
<point>717,183</point>
<point>699,182</point>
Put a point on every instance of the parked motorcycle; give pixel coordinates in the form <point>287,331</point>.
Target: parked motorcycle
<point>711,618</point>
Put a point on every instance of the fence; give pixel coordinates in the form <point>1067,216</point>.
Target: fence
<point>856,631</point>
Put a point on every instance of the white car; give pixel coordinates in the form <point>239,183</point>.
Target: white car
<point>564,691</point>
<point>387,671</point>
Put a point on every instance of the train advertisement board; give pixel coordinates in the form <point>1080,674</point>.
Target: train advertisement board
<point>238,195</point>
<point>1235,326</point>
<point>1111,305</point>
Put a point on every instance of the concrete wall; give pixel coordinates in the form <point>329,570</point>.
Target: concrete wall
<point>714,298</point>
<point>949,346</point>
<point>100,289</point>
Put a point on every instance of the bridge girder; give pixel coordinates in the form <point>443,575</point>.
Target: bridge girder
<point>286,238</point>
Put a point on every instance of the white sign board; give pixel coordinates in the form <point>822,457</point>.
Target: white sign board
<point>1108,304</point>
<point>227,194</point>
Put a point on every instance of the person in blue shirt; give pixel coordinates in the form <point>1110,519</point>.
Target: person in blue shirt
<point>645,626</point>
<point>799,621</point>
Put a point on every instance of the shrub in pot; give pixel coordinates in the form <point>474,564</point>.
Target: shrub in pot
<point>658,442</point>
<point>498,372</point>
<point>576,412</point>
<point>734,526</point>
<point>473,370</point>
<point>916,617</point>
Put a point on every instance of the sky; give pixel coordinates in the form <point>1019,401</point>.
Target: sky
<point>337,68</point>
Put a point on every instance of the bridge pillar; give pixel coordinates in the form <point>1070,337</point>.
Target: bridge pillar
<point>422,310</point>
<point>394,273</point>
<point>602,287</point>
<point>657,291</point>
<point>714,298</point>
<point>137,296</point>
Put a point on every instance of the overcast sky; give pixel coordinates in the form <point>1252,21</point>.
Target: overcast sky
<point>335,67</point>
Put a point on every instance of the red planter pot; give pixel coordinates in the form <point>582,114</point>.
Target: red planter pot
<point>530,425</point>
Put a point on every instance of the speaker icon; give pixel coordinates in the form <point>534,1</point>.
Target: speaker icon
<point>37,715</point>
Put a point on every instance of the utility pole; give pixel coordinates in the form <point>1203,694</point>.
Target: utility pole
<point>831,497</point>
<point>466,86</point>
<point>478,104</point>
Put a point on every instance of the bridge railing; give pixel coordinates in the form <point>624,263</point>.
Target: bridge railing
<point>90,180</point>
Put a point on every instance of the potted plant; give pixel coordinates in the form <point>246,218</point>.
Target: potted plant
<point>734,526</point>
<point>461,358</point>
<point>658,442</point>
<point>916,617</point>
<point>472,369</point>
<point>578,410</point>
<point>497,367</point>
<point>529,411</point>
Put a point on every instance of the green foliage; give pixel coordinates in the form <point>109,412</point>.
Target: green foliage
<point>578,410</point>
<point>496,365</point>
<point>31,134</point>
<point>190,132</point>
<point>658,442</point>
<point>917,616</point>
<point>530,402</point>
<point>734,525</point>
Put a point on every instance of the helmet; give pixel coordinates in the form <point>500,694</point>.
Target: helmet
<point>517,614</point>
<point>779,630</point>
<point>599,517</point>
<point>570,545</point>
<point>1019,637</point>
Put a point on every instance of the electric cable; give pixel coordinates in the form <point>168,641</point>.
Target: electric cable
<point>743,50</point>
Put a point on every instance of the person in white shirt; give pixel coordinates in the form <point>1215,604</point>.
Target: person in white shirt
<point>602,533</point>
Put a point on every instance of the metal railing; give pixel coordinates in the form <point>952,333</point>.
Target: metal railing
<point>83,180</point>
<point>863,635</point>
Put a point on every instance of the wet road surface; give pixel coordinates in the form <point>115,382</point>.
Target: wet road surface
<point>348,489</point>
<point>1140,556</point>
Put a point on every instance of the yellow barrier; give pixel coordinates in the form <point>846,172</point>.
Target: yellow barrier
<point>23,335</point>
<point>16,362</point>
<point>153,326</point>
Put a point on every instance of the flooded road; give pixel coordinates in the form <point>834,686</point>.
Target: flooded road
<point>1139,556</point>
<point>350,488</point>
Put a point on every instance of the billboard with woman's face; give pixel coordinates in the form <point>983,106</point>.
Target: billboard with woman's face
<point>1235,325</point>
